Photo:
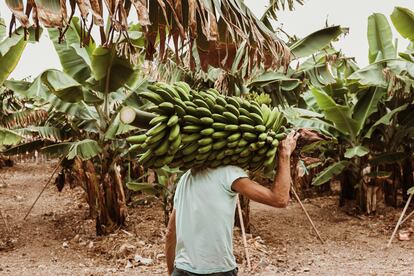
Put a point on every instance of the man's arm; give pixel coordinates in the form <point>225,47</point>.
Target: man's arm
<point>170,243</point>
<point>278,195</point>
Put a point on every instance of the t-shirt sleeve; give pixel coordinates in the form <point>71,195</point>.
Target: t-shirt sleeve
<point>231,174</point>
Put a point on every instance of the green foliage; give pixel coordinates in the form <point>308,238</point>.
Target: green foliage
<point>356,151</point>
<point>380,38</point>
<point>11,49</point>
<point>403,20</point>
<point>75,60</point>
<point>339,115</point>
<point>8,137</point>
<point>329,172</point>
<point>315,41</point>
<point>385,120</point>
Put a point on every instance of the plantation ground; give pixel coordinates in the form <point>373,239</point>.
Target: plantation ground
<point>58,238</point>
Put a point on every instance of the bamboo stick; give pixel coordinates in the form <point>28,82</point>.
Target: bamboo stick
<point>246,251</point>
<point>407,217</point>
<point>306,213</point>
<point>44,187</point>
<point>399,220</point>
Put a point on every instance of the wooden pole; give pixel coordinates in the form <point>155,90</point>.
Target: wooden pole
<point>306,213</point>
<point>407,217</point>
<point>246,251</point>
<point>44,187</point>
<point>399,220</point>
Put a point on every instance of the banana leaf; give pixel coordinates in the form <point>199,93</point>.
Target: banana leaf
<point>35,90</point>
<point>51,13</point>
<point>44,132</point>
<point>315,41</point>
<point>328,173</point>
<point>367,104</point>
<point>9,137</point>
<point>84,149</point>
<point>16,6</point>
<point>380,38</point>
<point>3,31</point>
<point>339,115</point>
<point>356,151</point>
<point>270,77</point>
<point>11,50</point>
<point>403,20</point>
<point>27,147</point>
<point>75,60</point>
<point>62,85</point>
<point>385,120</point>
<point>105,61</point>
<point>371,75</point>
<point>142,187</point>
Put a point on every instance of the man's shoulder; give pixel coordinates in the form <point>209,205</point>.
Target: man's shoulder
<point>230,168</point>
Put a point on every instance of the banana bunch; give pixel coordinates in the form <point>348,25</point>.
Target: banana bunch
<point>206,128</point>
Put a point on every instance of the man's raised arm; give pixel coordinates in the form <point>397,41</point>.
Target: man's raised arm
<point>278,195</point>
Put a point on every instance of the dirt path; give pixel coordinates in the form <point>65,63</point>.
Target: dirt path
<point>354,246</point>
<point>36,246</point>
<point>59,239</point>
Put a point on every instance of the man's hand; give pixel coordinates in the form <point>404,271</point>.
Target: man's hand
<point>288,145</point>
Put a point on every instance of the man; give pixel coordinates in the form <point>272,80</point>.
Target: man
<point>200,231</point>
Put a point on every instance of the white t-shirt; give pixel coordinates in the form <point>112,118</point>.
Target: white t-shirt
<point>205,206</point>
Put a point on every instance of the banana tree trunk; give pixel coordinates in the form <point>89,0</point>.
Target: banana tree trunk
<point>105,195</point>
<point>347,187</point>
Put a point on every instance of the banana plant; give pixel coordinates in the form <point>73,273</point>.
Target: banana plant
<point>315,59</point>
<point>373,116</point>
<point>11,50</point>
<point>83,102</point>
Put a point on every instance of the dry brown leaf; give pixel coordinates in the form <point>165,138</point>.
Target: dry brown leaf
<point>18,11</point>
<point>142,12</point>
<point>97,13</point>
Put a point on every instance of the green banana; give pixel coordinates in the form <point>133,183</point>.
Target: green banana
<point>230,117</point>
<point>172,121</point>
<point>137,139</point>
<point>207,131</point>
<point>156,129</point>
<point>206,120</point>
<point>174,132</point>
<point>219,144</point>
<point>205,141</point>
<point>152,97</point>
<point>218,126</point>
<point>191,138</point>
<point>162,149</point>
